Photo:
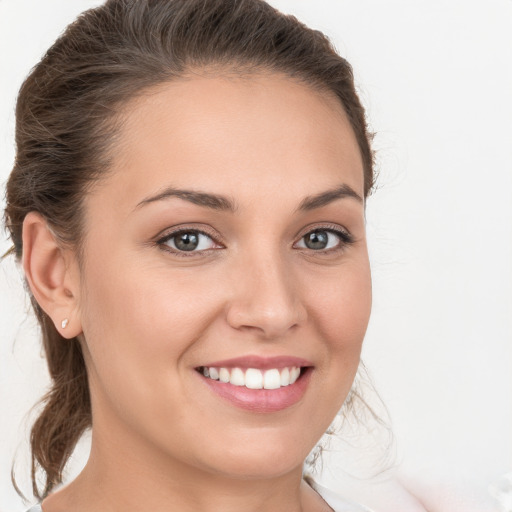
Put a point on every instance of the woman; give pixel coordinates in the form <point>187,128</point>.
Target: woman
<point>188,205</point>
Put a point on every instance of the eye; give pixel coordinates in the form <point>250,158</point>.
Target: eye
<point>188,241</point>
<point>324,240</point>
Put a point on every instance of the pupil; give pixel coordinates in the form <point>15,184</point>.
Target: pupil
<point>316,240</point>
<point>187,241</point>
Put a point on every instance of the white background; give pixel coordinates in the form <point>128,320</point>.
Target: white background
<point>436,78</point>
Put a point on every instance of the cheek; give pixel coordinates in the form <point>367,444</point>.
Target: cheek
<point>341,307</point>
<point>139,326</point>
<point>340,311</point>
<point>144,310</point>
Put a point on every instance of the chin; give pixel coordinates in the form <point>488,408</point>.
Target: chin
<point>261,469</point>
<point>261,459</point>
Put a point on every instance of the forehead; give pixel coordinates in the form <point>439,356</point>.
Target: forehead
<point>235,136</point>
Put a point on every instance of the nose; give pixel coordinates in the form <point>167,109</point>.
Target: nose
<point>266,298</point>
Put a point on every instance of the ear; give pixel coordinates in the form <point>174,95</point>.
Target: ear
<point>52,275</point>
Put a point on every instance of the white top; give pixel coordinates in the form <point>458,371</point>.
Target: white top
<point>335,501</point>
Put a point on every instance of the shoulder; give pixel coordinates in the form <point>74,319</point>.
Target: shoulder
<point>337,502</point>
<point>334,500</point>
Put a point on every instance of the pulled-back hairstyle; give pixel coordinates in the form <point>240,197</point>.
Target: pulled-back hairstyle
<point>67,117</point>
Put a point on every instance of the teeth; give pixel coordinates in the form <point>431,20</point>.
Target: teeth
<point>285,377</point>
<point>294,374</point>
<point>272,379</point>
<point>237,377</point>
<point>224,375</point>
<point>253,378</point>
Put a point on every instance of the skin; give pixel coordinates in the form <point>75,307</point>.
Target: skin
<point>148,317</point>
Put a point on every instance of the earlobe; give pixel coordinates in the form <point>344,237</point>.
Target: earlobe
<point>50,275</point>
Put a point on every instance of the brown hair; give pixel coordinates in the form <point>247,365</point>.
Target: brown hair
<point>66,117</point>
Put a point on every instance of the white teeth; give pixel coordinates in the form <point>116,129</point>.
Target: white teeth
<point>224,375</point>
<point>272,379</point>
<point>253,378</point>
<point>294,374</point>
<point>285,377</point>
<point>237,377</point>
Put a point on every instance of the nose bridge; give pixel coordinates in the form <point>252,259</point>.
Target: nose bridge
<point>266,298</point>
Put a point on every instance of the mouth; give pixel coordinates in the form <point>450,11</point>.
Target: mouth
<point>254,378</point>
<point>270,386</point>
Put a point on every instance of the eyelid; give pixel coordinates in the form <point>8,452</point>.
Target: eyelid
<point>346,237</point>
<point>325,226</point>
<point>169,233</point>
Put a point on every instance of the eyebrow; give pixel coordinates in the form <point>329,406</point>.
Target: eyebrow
<point>223,203</point>
<point>212,201</point>
<point>324,198</point>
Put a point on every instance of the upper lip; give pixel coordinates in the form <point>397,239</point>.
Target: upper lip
<point>261,362</point>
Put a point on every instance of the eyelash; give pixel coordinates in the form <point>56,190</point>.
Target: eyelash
<point>162,242</point>
<point>345,239</point>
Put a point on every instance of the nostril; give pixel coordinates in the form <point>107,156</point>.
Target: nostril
<point>268,310</point>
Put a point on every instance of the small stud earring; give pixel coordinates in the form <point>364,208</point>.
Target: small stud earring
<point>64,323</point>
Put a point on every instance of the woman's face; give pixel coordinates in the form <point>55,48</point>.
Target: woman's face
<point>230,235</point>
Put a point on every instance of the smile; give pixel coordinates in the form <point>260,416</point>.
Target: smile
<point>256,384</point>
<point>253,378</point>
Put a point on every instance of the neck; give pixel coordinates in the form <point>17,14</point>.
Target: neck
<point>123,473</point>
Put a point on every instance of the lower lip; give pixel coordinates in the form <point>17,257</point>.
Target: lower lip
<point>261,400</point>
